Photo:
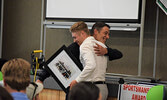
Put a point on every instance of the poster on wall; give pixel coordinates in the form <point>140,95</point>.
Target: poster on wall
<point>133,91</point>
<point>63,67</point>
<point>163,5</point>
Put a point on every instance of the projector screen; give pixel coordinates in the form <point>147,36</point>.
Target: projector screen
<point>95,10</point>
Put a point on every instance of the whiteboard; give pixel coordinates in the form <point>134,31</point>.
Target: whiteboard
<point>94,9</point>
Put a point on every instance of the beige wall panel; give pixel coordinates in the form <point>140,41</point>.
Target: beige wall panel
<point>55,38</point>
<point>161,69</point>
<point>21,28</point>
<point>128,44</point>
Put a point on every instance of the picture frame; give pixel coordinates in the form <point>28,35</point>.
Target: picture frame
<point>63,67</point>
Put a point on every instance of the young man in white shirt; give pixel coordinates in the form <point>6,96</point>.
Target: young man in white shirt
<point>94,66</point>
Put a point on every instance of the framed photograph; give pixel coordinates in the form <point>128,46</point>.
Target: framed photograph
<point>64,67</point>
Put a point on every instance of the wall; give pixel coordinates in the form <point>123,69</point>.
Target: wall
<point>22,35</point>
<point>162,47</point>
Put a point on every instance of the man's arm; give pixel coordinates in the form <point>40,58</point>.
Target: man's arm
<point>74,49</point>
<point>114,54</point>
<point>111,53</point>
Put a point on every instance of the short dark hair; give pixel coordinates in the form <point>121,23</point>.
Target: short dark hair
<point>98,26</point>
<point>84,91</point>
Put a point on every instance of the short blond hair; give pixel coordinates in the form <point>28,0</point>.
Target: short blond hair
<point>16,73</point>
<point>79,26</point>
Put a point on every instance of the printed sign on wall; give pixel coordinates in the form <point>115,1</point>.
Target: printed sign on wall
<point>133,91</point>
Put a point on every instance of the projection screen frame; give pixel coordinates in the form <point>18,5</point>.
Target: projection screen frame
<point>111,20</point>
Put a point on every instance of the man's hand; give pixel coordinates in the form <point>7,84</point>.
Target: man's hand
<point>99,50</point>
<point>73,83</point>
